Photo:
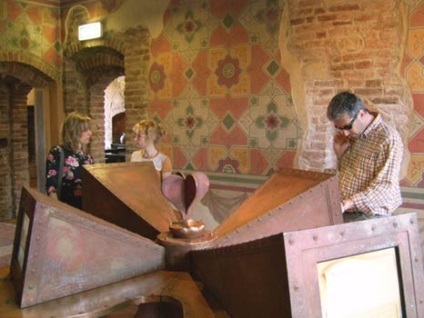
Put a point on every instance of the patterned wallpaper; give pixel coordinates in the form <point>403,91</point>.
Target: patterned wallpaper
<point>413,72</point>
<point>31,29</point>
<point>218,86</point>
<point>217,82</point>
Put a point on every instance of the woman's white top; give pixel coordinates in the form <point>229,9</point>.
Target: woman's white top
<point>137,156</point>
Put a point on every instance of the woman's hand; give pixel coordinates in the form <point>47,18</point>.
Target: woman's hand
<point>53,195</point>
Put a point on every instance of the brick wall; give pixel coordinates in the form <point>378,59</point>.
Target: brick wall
<point>14,164</point>
<point>137,59</point>
<point>340,45</point>
<point>5,153</point>
<point>17,81</point>
<point>88,73</point>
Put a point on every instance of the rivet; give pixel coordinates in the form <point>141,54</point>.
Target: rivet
<point>296,288</point>
<point>395,224</point>
<point>342,233</point>
<point>291,242</point>
<point>315,238</point>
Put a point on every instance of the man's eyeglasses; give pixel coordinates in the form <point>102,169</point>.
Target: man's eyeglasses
<point>350,124</point>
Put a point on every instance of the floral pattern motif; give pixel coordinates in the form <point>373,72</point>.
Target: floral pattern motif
<point>228,71</point>
<point>190,26</point>
<point>157,77</point>
<point>71,190</point>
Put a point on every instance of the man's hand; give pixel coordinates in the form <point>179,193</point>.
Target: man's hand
<point>340,144</point>
<point>347,204</point>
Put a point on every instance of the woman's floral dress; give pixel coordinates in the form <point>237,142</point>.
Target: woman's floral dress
<point>71,191</point>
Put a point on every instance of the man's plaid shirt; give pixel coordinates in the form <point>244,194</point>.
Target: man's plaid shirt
<point>369,170</point>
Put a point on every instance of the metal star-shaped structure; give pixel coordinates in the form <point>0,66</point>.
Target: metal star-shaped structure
<point>131,253</point>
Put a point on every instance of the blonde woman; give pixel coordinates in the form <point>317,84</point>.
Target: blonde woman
<point>147,135</point>
<point>64,162</point>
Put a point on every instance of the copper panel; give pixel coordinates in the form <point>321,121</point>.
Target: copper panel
<point>60,250</point>
<point>248,279</point>
<point>120,299</point>
<point>289,200</point>
<point>277,276</point>
<point>306,249</point>
<point>260,262</point>
<point>128,195</point>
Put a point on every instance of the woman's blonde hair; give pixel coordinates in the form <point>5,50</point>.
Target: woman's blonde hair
<point>150,128</point>
<point>73,126</point>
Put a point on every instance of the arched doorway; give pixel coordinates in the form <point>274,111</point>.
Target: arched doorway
<point>115,121</point>
<point>96,69</point>
<point>17,80</point>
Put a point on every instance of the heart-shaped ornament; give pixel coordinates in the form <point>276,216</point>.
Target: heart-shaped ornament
<point>185,192</point>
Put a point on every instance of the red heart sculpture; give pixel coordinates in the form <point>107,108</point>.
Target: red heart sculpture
<point>184,192</point>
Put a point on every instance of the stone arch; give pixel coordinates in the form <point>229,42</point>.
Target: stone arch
<point>16,81</point>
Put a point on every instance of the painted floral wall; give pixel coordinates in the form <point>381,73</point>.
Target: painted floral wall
<point>31,34</point>
<point>216,79</point>
<point>218,85</point>
<point>413,70</point>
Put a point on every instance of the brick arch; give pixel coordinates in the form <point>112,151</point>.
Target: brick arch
<point>29,61</point>
<point>78,15</point>
<point>101,57</point>
<point>17,80</point>
<point>109,40</point>
<point>98,112</point>
<point>25,73</point>
<point>96,67</point>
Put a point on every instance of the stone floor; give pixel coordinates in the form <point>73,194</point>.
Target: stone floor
<point>7,233</point>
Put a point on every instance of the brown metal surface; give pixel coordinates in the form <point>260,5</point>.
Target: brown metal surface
<point>122,299</point>
<point>258,263</point>
<point>60,250</point>
<point>178,249</point>
<point>289,200</point>
<point>277,276</point>
<point>305,249</point>
<point>248,279</point>
<point>128,195</point>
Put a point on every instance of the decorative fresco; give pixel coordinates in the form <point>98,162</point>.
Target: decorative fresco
<point>413,72</point>
<point>218,85</point>
<point>31,29</point>
<point>216,80</point>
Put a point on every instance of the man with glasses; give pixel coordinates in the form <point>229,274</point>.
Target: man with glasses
<point>369,154</point>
